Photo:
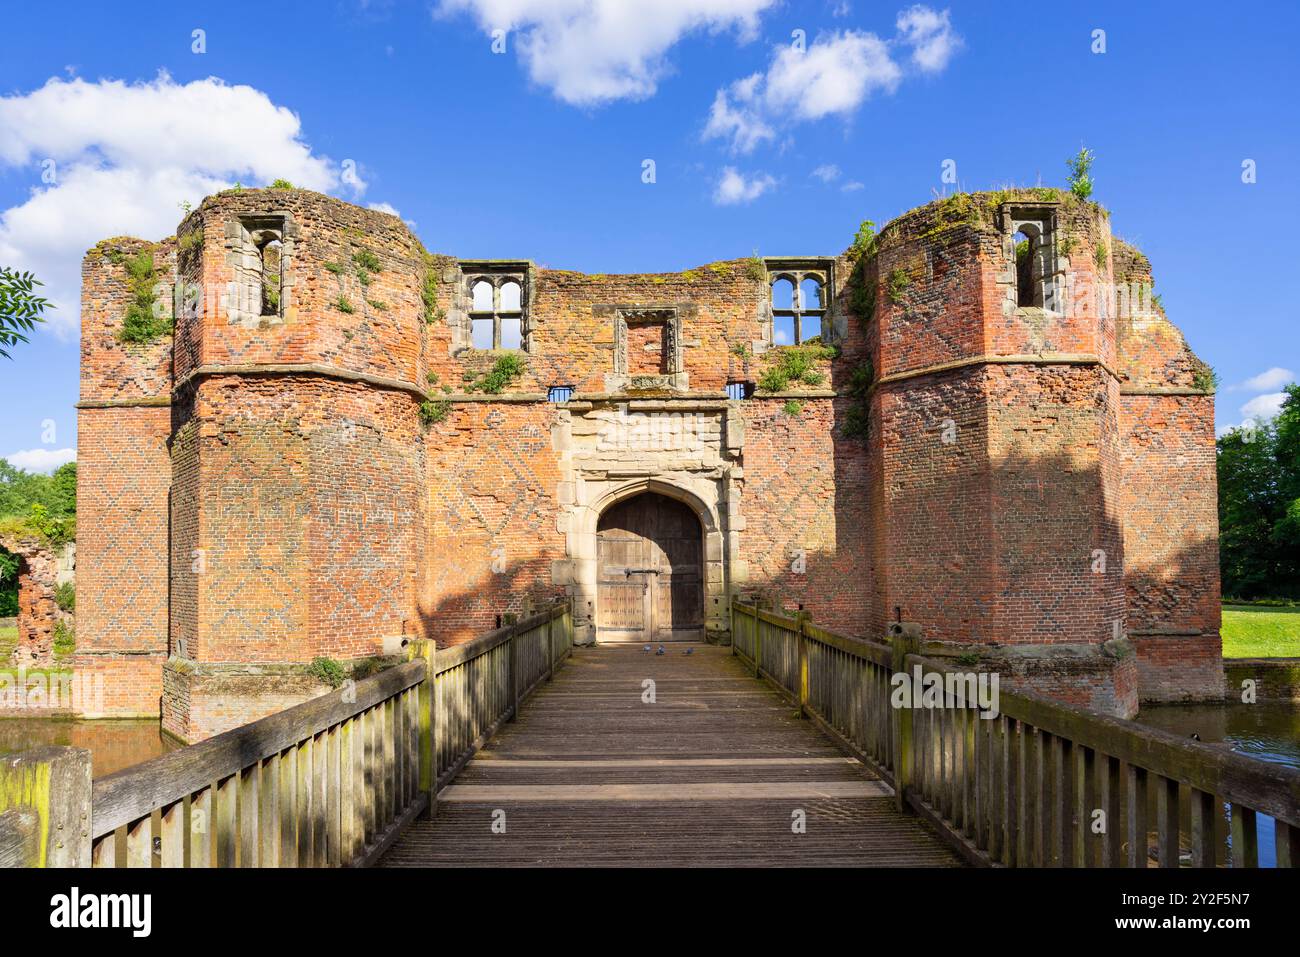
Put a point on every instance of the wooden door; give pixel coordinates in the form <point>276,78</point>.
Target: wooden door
<point>650,559</point>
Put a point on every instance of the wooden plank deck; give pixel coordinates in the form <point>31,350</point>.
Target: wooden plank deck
<point>711,774</point>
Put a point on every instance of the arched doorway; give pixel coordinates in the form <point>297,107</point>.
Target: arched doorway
<point>650,571</point>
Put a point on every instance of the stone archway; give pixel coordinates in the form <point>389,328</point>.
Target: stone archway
<point>583,545</point>
<point>649,571</point>
<point>38,611</point>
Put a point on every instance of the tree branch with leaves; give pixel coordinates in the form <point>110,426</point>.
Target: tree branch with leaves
<point>20,307</point>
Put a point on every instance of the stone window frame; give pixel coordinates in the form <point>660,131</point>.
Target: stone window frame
<point>675,377</point>
<point>820,268</point>
<point>497,274</point>
<point>247,236</point>
<point>1040,222</point>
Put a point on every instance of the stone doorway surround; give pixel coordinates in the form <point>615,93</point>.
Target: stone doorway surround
<point>686,448</point>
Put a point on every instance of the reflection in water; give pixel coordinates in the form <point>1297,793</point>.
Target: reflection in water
<point>1268,731</point>
<point>113,744</point>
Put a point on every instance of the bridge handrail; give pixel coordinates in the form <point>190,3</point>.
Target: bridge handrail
<point>1023,787</point>
<point>328,782</point>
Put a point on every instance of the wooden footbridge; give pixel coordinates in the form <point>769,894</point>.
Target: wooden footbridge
<point>790,748</point>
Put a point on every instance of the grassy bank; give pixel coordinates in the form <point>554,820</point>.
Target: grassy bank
<point>1254,631</point>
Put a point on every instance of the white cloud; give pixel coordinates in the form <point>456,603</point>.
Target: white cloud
<point>124,156</point>
<point>1264,406</point>
<point>735,187</point>
<point>827,172</point>
<point>1273,378</point>
<point>852,187</point>
<point>589,52</point>
<point>929,34</point>
<point>41,460</point>
<point>833,76</point>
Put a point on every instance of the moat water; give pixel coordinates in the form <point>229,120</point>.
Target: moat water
<point>1268,731</point>
<point>113,744</point>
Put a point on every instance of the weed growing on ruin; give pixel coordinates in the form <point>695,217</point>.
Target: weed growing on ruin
<point>755,269</point>
<point>1080,178</point>
<point>792,408</point>
<point>378,305</point>
<point>65,596</point>
<point>432,411</point>
<point>1205,378</point>
<point>1099,256</point>
<point>899,280</point>
<point>328,671</point>
<point>190,241</point>
<point>281,184</point>
<point>864,242</point>
<point>335,268</point>
<point>142,324</point>
<point>968,659</point>
<point>1066,245</point>
<point>856,423</point>
<point>367,261</point>
<point>65,640</point>
<point>503,373</point>
<point>342,304</point>
<point>429,292</point>
<point>794,364</point>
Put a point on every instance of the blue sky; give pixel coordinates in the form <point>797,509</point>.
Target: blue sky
<point>538,151</point>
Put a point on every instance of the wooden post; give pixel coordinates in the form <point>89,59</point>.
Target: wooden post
<point>427,721</point>
<point>513,656</point>
<point>801,622</point>
<point>45,808</point>
<point>905,639</point>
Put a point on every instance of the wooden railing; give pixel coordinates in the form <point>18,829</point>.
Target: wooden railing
<point>1037,783</point>
<point>481,683</point>
<point>327,783</point>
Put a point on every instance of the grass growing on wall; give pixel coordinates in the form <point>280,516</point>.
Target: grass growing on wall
<point>1252,631</point>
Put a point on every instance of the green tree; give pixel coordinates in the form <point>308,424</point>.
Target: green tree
<point>1259,506</point>
<point>20,308</point>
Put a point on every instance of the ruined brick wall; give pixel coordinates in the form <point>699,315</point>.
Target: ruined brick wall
<point>339,477</point>
<point>38,612</point>
<point>123,476</point>
<point>1170,507</point>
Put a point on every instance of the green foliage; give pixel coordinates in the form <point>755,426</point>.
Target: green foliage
<point>793,407</point>
<point>144,322</point>
<point>366,261</point>
<point>335,268</point>
<point>968,659</point>
<point>328,671</point>
<point>55,531</point>
<point>432,411</point>
<point>755,268</point>
<point>343,304</point>
<point>503,373</point>
<point>1066,246</point>
<point>898,282</point>
<point>65,596</point>
<point>1080,178</point>
<point>378,305</point>
<point>1259,505</point>
<point>794,364</point>
<point>281,184</point>
<point>20,490</point>
<point>856,422</point>
<point>864,242</point>
<point>65,640</point>
<point>20,308</point>
<point>1205,378</point>
<point>1099,256</point>
<point>191,241</point>
<point>429,294</point>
